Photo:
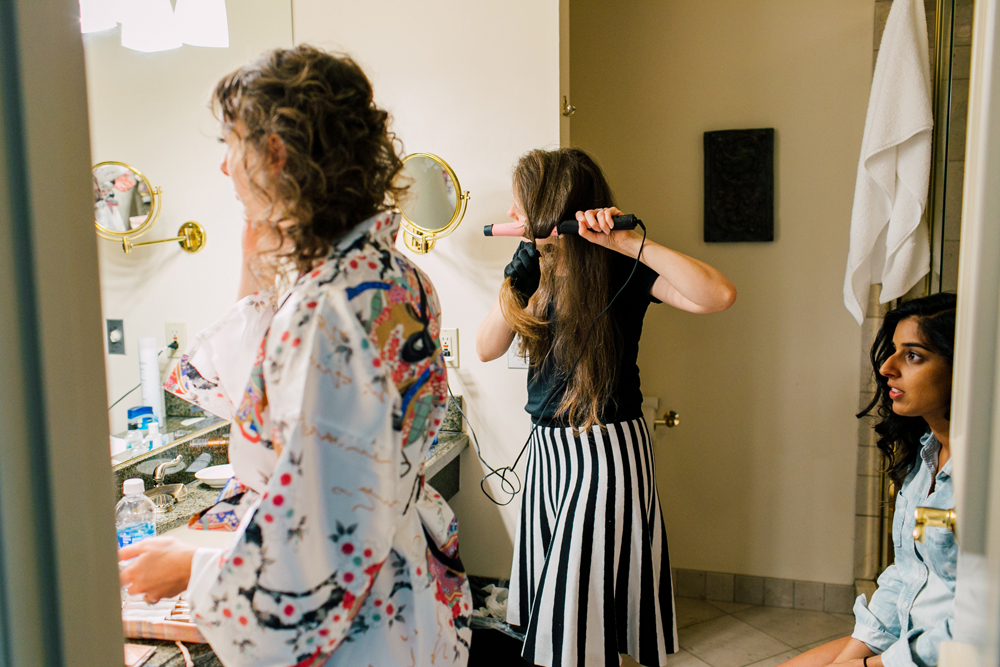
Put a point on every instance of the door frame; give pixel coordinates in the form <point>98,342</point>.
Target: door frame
<point>59,600</point>
<point>975,425</point>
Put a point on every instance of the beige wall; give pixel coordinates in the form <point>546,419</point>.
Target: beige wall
<point>478,84</point>
<point>150,110</point>
<point>760,477</point>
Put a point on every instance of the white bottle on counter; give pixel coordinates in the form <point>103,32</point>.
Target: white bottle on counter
<point>153,439</point>
<point>135,514</point>
<point>151,386</point>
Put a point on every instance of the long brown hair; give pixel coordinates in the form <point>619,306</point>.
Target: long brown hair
<point>341,160</point>
<point>550,187</point>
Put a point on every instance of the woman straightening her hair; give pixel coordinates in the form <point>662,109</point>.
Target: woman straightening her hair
<point>591,577</point>
<point>912,611</point>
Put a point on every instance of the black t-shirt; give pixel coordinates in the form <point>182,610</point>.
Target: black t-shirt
<point>546,387</point>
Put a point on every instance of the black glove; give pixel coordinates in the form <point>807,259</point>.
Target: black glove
<point>524,271</point>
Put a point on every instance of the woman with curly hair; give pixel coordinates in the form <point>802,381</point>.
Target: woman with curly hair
<point>913,609</point>
<point>344,556</point>
<point>591,575</point>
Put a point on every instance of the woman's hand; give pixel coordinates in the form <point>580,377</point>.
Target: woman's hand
<point>597,226</point>
<point>161,569</point>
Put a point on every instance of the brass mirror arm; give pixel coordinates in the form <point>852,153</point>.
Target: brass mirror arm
<point>191,239</point>
<point>932,517</point>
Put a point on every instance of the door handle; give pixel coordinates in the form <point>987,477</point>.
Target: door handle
<point>670,420</point>
<point>932,517</point>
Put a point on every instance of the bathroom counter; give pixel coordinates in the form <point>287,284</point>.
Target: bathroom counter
<point>168,655</point>
<point>199,497</point>
<point>441,473</point>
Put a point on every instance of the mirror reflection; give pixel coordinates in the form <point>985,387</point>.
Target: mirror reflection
<point>432,201</point>
<point>122,198</point>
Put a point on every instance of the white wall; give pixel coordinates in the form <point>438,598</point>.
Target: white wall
<point>478,84</point>
<point>759,478</point>
<point>149,110</point>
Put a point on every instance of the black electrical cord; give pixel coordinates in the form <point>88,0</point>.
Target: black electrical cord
<point>502,471</point>
<point>479,455</point>
<point>172,346</point>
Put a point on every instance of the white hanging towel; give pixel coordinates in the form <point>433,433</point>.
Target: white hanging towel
<point>889,242</point>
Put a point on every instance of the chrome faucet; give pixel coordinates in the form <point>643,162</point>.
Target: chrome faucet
<point>160,471</point>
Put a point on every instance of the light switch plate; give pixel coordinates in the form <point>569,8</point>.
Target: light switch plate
<point>514,359</point>
<point>449,347</point>
<point>116,337</point>
<point>177,331</point>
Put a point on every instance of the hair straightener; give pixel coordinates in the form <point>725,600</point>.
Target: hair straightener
<point>627,221</point>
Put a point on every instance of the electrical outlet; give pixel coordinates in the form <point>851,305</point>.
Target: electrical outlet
<point>177,331</point>
<point>449,347</point>
<point>116,337</point>
<point>514,358</point>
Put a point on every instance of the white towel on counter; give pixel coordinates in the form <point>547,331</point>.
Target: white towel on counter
<point>889,243</point>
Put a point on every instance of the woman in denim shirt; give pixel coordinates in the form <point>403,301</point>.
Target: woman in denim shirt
<point>914,607</point>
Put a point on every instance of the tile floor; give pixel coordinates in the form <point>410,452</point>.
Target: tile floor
<point>726,634</point>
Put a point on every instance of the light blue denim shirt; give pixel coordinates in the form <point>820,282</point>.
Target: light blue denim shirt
<point>914,607</point>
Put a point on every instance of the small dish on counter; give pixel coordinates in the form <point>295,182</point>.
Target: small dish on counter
<point>215,476</point>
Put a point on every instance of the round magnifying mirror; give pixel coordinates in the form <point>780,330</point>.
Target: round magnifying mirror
<point>125,204</point>
<point>434,203</point>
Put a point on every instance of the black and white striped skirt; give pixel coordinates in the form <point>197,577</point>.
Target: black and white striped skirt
<point>591,574</point>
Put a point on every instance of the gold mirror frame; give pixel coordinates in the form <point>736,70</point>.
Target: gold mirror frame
<point>154,207</point>
<point>420,239</point>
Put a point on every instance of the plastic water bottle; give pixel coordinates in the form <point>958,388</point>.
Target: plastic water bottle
<point>139,418</point>
<point>133,439</point>
<point>134,514</point>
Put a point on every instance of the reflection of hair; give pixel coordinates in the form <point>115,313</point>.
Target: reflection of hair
<point>340,158</point>
<point>551,186</point>
<point>899,437</point>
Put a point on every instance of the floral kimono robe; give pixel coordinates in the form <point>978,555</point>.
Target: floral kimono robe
<point>347,557</point>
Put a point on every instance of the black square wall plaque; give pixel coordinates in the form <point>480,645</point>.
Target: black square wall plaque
<point>739,186</point>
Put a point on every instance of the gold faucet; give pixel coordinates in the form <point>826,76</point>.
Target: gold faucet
<point>932,517</point>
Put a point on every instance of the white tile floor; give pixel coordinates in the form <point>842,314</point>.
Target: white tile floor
<point>725,634</point>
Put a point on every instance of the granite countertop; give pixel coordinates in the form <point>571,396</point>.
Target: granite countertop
<point>449,445</point>
<point>168,655</point>
<point>199,496</point>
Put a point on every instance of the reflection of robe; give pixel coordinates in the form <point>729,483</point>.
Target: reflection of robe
<point>347,553</point>
<point>107,214</point>
<point>112,207</point>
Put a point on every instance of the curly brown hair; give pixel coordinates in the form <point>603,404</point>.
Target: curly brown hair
<point>340,159</point>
